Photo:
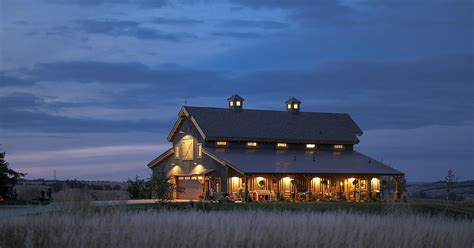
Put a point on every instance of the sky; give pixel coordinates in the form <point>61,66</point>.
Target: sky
<point>89,89</point>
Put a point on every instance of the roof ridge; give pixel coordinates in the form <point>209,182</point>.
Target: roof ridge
<point>270,110</point>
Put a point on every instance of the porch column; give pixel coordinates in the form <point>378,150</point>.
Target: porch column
<point>246,194</point>
<point>369,188</point>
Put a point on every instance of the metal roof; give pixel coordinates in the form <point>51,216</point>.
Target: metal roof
<point>289,161</point>
<point>272,125</point>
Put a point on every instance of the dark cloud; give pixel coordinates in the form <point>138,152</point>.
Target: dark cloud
<point>176,21</point>
<point>128,28</point>
<point>252,24</point>
<point>12,80</point>
<point>139,3</point>
<point>400,94</point>
<point>316,12</point>
<point>24,112</point>
<point>393,94</point>
<point>237,35</point>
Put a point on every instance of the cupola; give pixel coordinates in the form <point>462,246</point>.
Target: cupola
<point>293,105</point>
<point>236,103</point>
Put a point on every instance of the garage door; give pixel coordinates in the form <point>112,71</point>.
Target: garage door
<point>192,189</point>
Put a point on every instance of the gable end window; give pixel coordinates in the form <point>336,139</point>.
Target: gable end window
<point>282,145</point>
<point>252,144</point>
<point>176,152</point>
<point>199,150</point>
<point>221,143</point>
<point>310,146</point>
<point>338,147</point>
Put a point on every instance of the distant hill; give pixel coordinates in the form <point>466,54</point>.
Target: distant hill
<point>437,190</point>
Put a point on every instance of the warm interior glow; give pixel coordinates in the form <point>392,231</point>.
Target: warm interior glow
<point>282,145</point>
<point>338,146</point>
<point>199,150</point>
<point>235,184</point>
<point>188,149</point>
<point>251,144</point>
<point>310,146</point>
<point>288,106</point>
<point>237,103</point>
<point>176,151</point>
<point>316,184</point>
<point>221,143</point>
<point>295,106</point>
<point>231,103</point>
<point>375,184</point>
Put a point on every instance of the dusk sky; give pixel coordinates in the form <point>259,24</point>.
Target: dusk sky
<point>91,88</point>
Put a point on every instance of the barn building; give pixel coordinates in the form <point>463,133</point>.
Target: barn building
<point>269,155</point>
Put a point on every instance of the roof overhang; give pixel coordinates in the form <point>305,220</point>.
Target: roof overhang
<point>220,160</point>
<point>161,157</point>
<point>296,141</point>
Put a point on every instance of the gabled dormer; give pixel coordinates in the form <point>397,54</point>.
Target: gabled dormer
<point>236,103</point>
<point>293,105</point>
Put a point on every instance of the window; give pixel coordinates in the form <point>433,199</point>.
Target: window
<point>221,143</point>
<point>176,151</point>
<point>237,103</point>
<point>231,103</point>
<point>295,106</point>
<point>288,106</point>
<point>188,149</point>
<point>338,147</point>
<point>282,145</point>
<point>310,146</point>
<point>199,150</point>
<point>252,144</point>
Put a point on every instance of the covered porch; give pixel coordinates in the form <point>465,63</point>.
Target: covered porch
<point>314,187</point>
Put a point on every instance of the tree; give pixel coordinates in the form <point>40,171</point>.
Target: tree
<point>161,186</point>
<point>8,178</point>
<point>138,188</point>
<point>450,181</point>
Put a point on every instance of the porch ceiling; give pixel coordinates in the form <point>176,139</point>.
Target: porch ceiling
<point>299,162</point>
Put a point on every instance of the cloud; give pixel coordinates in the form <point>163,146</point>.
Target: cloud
<point>238,23</point>
<point>176,21</point>
<point>140,3</point>
<point>237,35</point>
<point>315,12</point>
<point>11,80</point>
<point>26,112</point>
<point>128,28</point>
<point>387,94</point>
<point>87,152</point>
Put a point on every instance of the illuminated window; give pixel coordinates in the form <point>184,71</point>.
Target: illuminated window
<point>231,103</point>
<point>252,144</point>
<point>199,150</point>
<point>282,145</point>
<point>188,149</point>
<point>310,146</point>
<point>338,147</point>
<point>176,151</point>
<point>221,143</point>
<point>288,106</point>
<point>295,106</point>
<point>237,103</point>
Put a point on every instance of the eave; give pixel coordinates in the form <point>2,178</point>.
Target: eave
<point>161,157</point>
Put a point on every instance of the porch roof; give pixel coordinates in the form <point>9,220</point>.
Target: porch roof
<point>266,161</point>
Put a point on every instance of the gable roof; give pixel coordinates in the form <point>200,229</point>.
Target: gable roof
<point>298,161</point>
<point>272,125</point>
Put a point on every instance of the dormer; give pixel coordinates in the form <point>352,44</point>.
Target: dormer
<point>236,103</point>
<point>293,105</point>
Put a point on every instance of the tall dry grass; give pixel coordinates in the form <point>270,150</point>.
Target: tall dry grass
<point>189,228</point>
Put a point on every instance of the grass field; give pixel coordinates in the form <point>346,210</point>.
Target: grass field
<point>242,225</point>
